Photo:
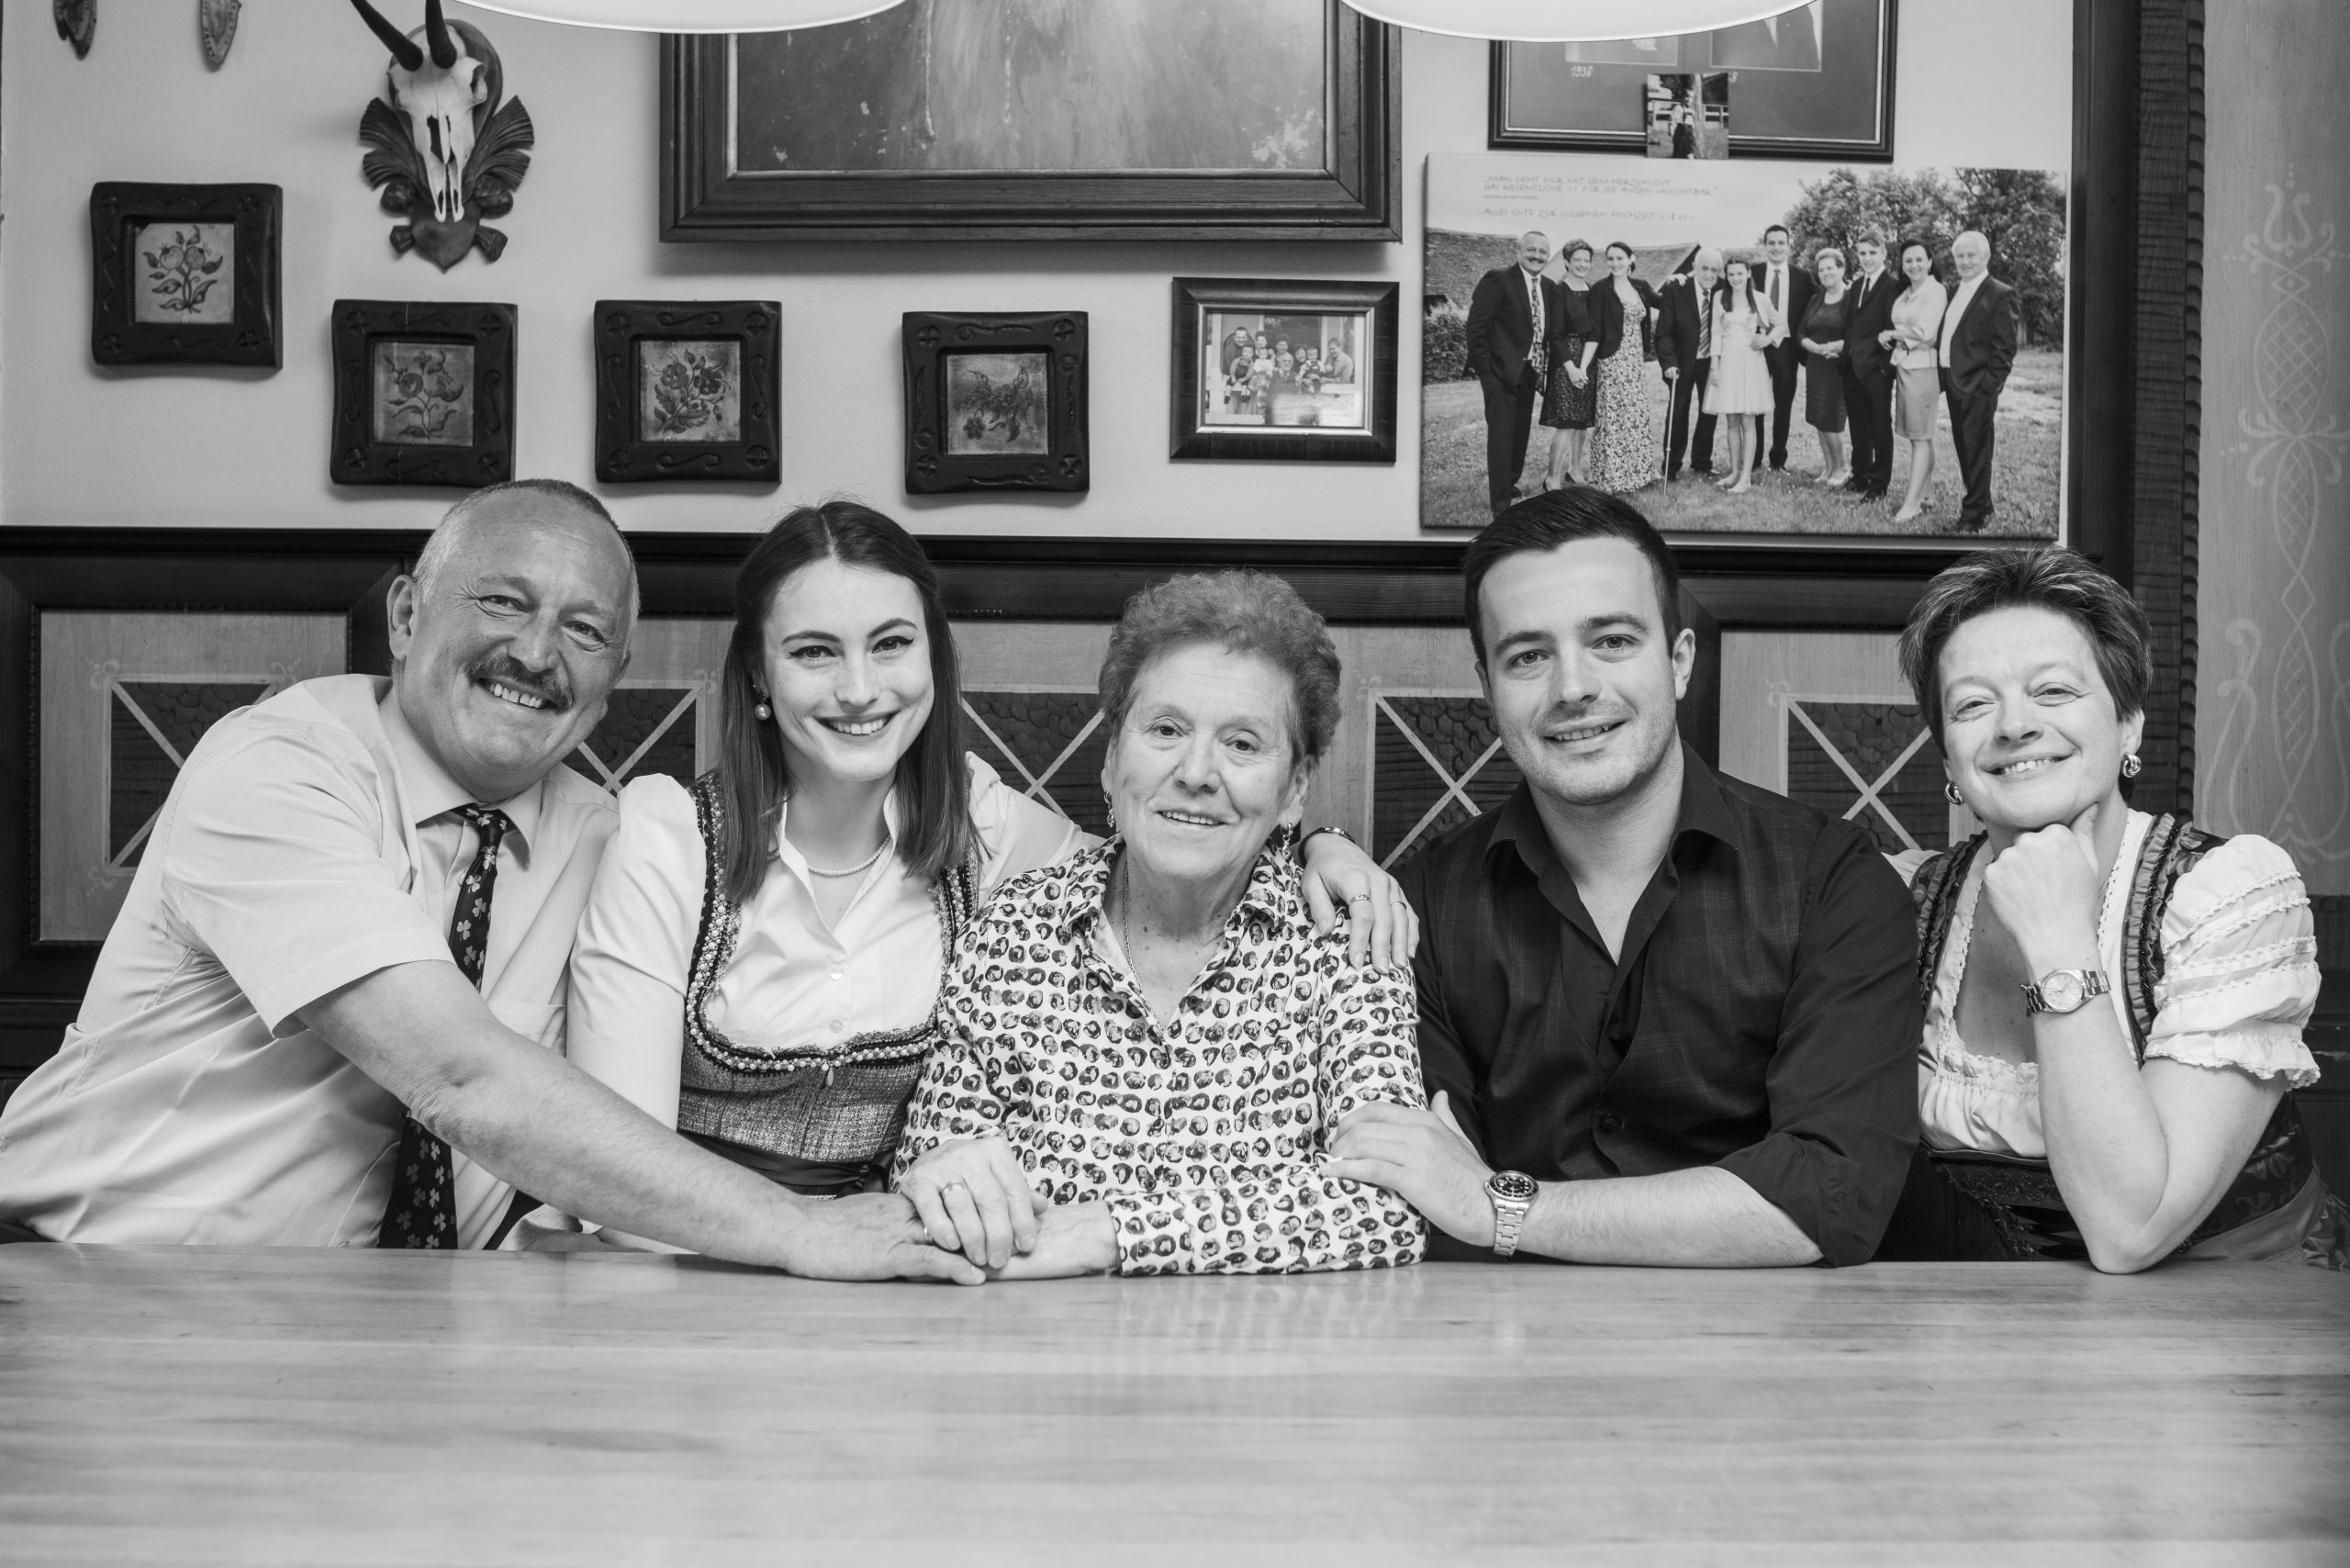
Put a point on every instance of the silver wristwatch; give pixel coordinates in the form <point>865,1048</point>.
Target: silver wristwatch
<point>1512,1193</point>
<point>2064,990</point>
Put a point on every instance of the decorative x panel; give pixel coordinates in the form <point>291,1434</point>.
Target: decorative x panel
<point>1435,761</point>
<point>1046,742</point>
<point>646,729</point>
<point>1870,763</point>
<point>153,727</point>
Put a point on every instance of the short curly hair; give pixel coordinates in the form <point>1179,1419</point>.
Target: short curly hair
<point>2049,578</point>
<point>1242,612</point>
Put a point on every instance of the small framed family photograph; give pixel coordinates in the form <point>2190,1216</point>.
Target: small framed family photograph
<point>424,393</point>
<point>1812,82</point>
<point>185,274</point>
<point>1284,370</point>
<point>995,402</point>
<point>687,391</point>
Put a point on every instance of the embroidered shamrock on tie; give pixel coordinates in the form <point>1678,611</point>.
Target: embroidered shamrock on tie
<point>422,1210</point>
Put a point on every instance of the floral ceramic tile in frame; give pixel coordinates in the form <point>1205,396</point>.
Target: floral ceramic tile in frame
<point>424,393</point>
<point>687,391</point>
<point>185,274</point>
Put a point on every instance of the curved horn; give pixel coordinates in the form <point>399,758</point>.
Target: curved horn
<point>409,57</point>
<point>436,34</point>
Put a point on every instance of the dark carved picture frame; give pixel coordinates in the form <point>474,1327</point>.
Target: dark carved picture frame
<point>624,454</point>
<point>250,336</point>
<point>1357,194</point>
<point>358,458</point>
<point>1195,296</point>
<point>1507,129</point>
<point>931,339</point>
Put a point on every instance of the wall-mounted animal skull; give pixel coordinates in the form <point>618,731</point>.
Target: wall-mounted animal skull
<point>441,146</point>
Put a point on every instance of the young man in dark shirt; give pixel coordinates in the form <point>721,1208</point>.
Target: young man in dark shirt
<point>1665,1017</point>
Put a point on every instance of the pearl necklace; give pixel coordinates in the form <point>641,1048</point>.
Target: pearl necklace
<point>862,866</point>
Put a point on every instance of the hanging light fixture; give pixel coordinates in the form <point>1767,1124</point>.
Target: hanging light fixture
<point>691,15</point>
<point>1569,21</point>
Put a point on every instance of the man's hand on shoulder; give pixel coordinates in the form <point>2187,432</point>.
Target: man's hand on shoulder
<point>1421,1157</point>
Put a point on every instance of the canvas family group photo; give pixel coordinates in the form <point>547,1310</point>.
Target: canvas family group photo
<point>1756,347</point>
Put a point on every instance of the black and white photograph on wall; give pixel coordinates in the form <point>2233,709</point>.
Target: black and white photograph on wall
<point>1755,348</point>
<point>995,404</point>
<point>1814,82</point>
<point>1285,369</point>
<point>1688,114</point>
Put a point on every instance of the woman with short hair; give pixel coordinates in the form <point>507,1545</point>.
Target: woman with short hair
<point>1916,339</point>
<point>1821,336</point>
<point>1150,1034</point>
<point>2114,1001</point>
<point>761,957</point>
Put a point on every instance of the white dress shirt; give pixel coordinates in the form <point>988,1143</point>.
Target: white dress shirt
<point>794,984</point>
<point>1959,302</point>
<point>308,843</point>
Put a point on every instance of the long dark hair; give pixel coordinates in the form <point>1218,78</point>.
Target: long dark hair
<point>934,781</point>
<point>1722,287</point>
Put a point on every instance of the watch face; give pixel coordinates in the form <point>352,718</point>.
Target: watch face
<point>2061,991</point>
<point>1514,1185</point>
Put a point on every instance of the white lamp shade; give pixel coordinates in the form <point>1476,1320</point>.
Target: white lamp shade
<point>1569,21</point>
<point>689,16</point>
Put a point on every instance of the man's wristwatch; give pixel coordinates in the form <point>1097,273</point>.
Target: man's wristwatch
<point>2064,990</point>
<point>1512,1193</point>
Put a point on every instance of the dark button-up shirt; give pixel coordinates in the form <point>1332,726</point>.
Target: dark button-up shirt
<point>1762,1017</point>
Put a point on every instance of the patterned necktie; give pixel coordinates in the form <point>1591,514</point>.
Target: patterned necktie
<point>1705,327</point>
<point>423,1211</point>
<point>1534,299</point>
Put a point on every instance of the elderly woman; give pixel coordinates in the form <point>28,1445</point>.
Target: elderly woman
<point>1149,1034</point>
<point>2114,1001</point>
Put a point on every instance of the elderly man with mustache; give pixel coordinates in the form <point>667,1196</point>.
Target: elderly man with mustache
<point>330,1011</point>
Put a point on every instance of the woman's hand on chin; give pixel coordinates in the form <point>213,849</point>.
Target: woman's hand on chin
<point>1075,1238</point>
<point>1340,875</point>
<point>2045,887</point>
<point>974,1197</point>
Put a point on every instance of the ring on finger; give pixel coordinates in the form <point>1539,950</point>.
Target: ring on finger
<point>952,1185</point>
<point>1359,898</point>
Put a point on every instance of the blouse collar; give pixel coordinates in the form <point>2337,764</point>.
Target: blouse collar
<point>1272,889</point>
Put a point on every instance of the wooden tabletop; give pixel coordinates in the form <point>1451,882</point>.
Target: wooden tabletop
<point>231,1406</point>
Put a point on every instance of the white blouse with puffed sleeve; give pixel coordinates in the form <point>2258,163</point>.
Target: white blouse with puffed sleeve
<point>793,983</point>
<point>2239,981</point>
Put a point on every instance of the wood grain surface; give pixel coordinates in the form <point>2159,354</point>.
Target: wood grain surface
<point>220,1405</point>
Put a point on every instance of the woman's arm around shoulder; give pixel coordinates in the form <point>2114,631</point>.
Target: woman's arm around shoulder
<point>1017,833</point>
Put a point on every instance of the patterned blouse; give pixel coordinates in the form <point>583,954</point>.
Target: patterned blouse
<point>1206,1139</point>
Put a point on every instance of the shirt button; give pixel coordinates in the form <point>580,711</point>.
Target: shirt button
<point>838,1025</point>
<point>1608,1120</point>
<point>837,975</point>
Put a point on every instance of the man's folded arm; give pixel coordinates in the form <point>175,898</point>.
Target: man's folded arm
<point>533,1120</point>
<point>1844,1085</point>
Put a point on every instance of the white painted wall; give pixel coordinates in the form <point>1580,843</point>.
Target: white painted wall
<point>1983,81</point>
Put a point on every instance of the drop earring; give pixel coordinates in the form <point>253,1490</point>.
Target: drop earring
<point>761,708</point>
<point>2130,766</point>
<point>1113,813</point>
<point>1950,793</point>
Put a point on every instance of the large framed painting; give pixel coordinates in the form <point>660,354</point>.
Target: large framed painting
<point>1018,119</point>
<point>1815,82</point>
